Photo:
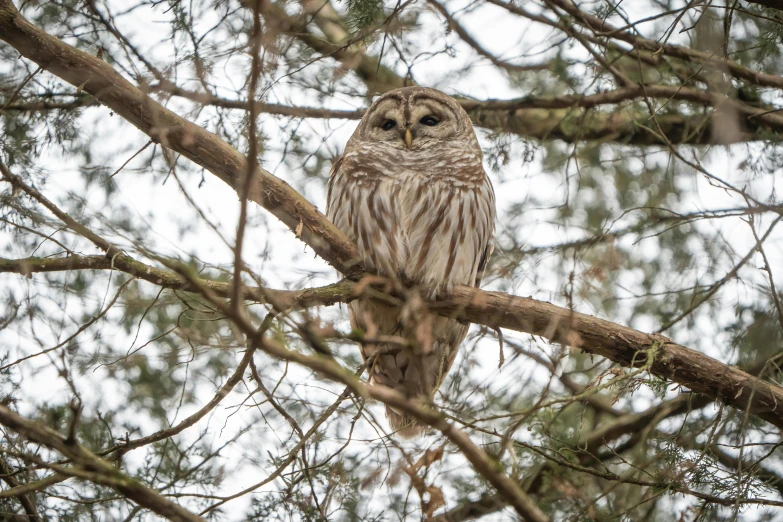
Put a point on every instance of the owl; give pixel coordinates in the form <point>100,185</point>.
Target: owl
<point>411,192</point>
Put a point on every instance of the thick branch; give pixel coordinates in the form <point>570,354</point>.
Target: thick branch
<point>98,78</point>
<point>623,345</point>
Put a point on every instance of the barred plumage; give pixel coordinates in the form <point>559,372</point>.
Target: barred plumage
<point>411,192</point>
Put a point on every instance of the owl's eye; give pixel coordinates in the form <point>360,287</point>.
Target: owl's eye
<point>389,125</point>
<point>429,121</point>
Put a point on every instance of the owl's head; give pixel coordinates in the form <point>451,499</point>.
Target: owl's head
<point>415,118</point>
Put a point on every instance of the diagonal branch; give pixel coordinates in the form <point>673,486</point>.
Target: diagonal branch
<point>604,29</point>
<point>204,148</point>
<point>623,345</point>
<point>490,469</point>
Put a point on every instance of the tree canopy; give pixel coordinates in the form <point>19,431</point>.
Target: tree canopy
<point>174,340</point>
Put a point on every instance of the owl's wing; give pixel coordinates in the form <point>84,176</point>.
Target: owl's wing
<point>484,262</point>
<point>489,194</point>
<point>330,184</point>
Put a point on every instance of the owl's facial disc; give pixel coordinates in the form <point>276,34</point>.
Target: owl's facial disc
<point>414,123</point>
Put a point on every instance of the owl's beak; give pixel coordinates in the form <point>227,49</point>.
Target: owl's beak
<point>408,138</point>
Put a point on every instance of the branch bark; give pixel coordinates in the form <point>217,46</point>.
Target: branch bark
<point>204,148</point>
<point>320,296</point>
<point>623,345</point>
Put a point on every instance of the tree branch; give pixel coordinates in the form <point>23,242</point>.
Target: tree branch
<point>625,346</point>
<point>204,148</point>
<point>562,117</point>
<point>604,29</point>
<point>89,467</point>
<point>27,501</point>
<point>326,295</point>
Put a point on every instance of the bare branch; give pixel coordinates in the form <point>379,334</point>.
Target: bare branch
<point>92,468</point>
<point>326,295</point>
<point>98,78</point>
<point>27,501</point>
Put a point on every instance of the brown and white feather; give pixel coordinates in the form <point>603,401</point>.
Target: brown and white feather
<point>423,212</point>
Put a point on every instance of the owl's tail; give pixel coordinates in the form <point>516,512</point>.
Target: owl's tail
<point>403,425</point>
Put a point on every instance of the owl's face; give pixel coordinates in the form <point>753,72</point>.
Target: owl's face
<point>414,118</point>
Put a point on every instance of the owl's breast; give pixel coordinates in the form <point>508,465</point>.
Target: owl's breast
<point>447,220</point>
<point>429,221</point>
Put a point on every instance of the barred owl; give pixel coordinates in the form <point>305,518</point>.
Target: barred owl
<point>411,192</point>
